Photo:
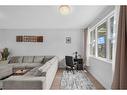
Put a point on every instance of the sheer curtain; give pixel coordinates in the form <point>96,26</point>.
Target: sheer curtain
<point>120,74</point>
<point>86,46</point>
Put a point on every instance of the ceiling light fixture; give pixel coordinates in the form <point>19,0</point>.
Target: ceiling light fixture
<point>64,9</point>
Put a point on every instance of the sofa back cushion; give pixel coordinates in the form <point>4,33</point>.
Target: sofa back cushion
<point>16,59</point>
<point>28,59</point>
<point>47,65</point>
<point>34,72</point>
<point>38,59</point>
<point>47,58</point>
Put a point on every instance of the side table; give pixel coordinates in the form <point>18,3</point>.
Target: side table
<point>79,63</point>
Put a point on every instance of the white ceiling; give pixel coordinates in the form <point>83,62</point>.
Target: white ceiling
<point>47,17</point>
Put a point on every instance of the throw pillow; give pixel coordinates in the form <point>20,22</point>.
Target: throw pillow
<point>16,59</point>
<point>13,60</point>
<point>37,73</point>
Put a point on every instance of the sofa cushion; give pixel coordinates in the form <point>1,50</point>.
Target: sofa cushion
<point>45,67</point>
<point>32,65</point>
<point>18,65</point>
<point>47,58</point>
<point>38,59</point>
<point>20,82</point>
<point>26,65</point>
<point>28,59</point>
<point>16,59</point>
<point>48,64</point>
<point>19,59</point>
<point>5,71</point>
<point>35,72</point>
<point>54,59</point>
<point>39,73</point>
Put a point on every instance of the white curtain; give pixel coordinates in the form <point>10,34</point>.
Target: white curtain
<point>86,47</point>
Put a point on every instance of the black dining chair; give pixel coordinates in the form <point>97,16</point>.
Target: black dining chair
<point>70,66</point>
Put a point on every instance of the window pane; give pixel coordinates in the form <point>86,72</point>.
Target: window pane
<point>92,42</point>
<point>102,38</point>
<point>111,37</point>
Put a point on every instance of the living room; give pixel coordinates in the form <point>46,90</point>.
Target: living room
<point>32,34</point>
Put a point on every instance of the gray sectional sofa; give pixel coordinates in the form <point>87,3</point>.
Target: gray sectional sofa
<point>41,74</point>
<point>5,70</point>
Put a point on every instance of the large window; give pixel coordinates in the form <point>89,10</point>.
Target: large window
<point>111,37</point>
<point>101,39</point>
<point>92,42</point>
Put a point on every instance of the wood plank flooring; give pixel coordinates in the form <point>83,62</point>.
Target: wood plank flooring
<point>94,81</point>
<point>56,82</point>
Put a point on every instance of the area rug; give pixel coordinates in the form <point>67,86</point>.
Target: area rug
<point>77,80</point>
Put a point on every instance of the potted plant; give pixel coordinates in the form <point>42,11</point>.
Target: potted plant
<point>5,54</point>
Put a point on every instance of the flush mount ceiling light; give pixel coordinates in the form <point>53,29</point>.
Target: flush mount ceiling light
<point>64,9</point>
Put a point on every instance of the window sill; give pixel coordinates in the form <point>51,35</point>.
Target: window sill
<point>102,59</point>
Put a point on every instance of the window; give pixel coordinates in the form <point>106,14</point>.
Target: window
<point>102,38</point>
<point>111,37</point>
<point>92,42</point>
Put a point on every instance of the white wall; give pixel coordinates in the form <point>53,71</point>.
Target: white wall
<point>54,42</point>
<point>102,71</point>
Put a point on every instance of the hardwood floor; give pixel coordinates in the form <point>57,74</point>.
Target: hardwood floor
<point>94,81</point>
<point>56,82</point>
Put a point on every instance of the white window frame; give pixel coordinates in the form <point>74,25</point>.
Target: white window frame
<point>106,19</point>
<point>95,41</point>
